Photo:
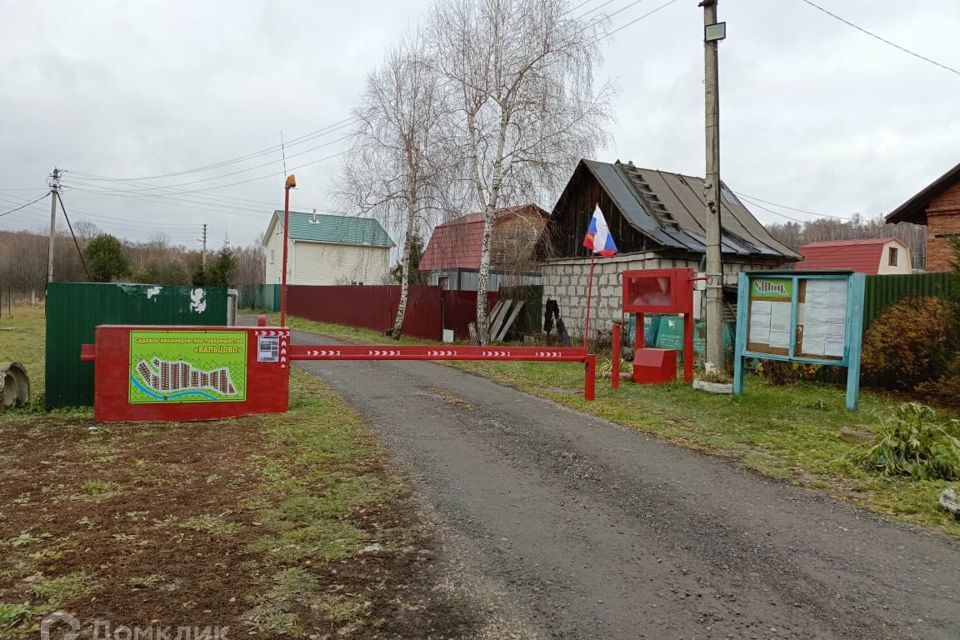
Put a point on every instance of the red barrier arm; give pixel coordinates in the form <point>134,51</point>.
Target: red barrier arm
<point>416,352</point>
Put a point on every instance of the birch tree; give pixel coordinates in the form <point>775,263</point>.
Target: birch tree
<point>522,75</point>
<point>394,172</point>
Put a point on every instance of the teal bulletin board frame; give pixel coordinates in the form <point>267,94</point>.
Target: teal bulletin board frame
<point>853,326</point>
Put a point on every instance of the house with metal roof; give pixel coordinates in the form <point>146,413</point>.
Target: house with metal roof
<point>452,257</point>
<point>872,256</point>
<point>937,206</point>
<point>657,220</point>
<point>327,249</point>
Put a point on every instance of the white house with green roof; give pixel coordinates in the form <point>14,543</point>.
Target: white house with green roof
<point>327,250</point>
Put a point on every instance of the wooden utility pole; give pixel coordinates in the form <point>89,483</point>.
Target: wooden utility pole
<point>54,188</point>
<point>713,33</point>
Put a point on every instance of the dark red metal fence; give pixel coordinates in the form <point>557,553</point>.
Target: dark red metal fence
<point>429,309</point>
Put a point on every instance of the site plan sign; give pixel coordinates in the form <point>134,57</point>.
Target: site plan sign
<point>814,317</point>
<point>187,366</point>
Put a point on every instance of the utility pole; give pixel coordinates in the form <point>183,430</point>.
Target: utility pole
<point>203,251</point>
<point>54,191</point>
<point>713,32</point>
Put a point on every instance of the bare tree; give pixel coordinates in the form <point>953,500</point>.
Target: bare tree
<point>522,74</point>
<point>396,166</point>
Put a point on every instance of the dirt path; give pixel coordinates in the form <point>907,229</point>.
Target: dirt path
<point>595,531</point>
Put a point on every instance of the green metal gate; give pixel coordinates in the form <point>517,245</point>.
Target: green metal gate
<point>75,309</point>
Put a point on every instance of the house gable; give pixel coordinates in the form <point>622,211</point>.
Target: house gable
<point>651,210</point>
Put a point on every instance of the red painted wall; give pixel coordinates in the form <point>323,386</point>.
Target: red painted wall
<point>429,309</point>
<point>268,384</point>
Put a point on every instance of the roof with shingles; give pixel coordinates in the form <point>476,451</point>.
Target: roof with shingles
<point>915,209</point>
<point>669,209</point>
<point>332,229</point>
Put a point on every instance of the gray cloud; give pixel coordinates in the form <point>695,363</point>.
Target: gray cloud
<point>814,114</point>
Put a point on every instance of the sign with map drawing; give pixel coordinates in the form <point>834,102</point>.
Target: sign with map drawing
<point>187,366</point>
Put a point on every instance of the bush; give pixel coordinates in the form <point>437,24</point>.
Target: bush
<point>915,443</point>
<point>912,342</point>
<point>781,373</point>
<point>946,389</point>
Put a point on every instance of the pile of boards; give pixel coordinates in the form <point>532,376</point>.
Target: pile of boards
<point>502,317</point>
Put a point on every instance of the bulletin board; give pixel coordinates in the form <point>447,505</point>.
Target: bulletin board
<point>809,316</point>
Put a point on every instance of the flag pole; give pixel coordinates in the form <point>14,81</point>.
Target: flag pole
<point>586,328</point>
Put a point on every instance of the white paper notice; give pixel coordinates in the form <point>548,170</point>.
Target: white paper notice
<point>833,346</point>
<point>780,325</point>
<point>759,322</point>
<point>824,325</point>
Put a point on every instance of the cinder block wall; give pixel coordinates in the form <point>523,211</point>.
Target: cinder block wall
<point>943,220</point>
<point>565,281</point>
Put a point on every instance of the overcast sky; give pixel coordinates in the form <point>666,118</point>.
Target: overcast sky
<point>814,114</point>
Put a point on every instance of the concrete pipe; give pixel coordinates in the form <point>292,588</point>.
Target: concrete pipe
<point>14,385</point>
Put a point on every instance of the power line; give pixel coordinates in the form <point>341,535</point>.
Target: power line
<point>23,206</point>
<point>783,206</point>
<point>299,140</point>
<point>572,9</point>
<point>72,234</point>
<point>635,20</point>
<point>882,39</point>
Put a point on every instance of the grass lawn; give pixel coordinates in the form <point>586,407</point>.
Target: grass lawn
<point>791,432</point>
<point>276,526</point>
<point>22,339</point>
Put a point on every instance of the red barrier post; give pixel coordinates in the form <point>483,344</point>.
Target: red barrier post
<point>590,378</point>
<point>615,357</point>
<point>638,341</point>
<point>261,320</point>
<point>688,348</point>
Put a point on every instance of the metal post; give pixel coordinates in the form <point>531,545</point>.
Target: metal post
<point>688,348</point>
<point>715,360</point>
<point>615,356</point>
<point>639,341</point>
<point>590,378</point>
<point>586,326</point>
<point>290,184</point>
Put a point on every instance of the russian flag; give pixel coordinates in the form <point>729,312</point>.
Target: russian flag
<point>598,238</point>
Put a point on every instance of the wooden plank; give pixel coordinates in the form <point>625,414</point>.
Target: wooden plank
<point>498,315</point>
<point>509,322</point>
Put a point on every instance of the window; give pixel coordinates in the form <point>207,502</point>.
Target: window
<point>892,261</point>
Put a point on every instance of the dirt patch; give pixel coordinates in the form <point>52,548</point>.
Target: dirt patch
<point>215,524</point>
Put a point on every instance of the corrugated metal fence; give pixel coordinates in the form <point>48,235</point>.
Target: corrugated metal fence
<point>75,309</point>
<point>429,309</point>
<point>884,291</point>
<point>262,296</point>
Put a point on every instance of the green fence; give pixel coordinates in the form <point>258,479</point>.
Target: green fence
<point>884,291</point>
<point>265,297</point>
<point>75,309</point>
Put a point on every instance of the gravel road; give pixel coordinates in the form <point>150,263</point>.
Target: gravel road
<point>597,532</point>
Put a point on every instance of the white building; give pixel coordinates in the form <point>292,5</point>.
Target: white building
<point>327,250</point>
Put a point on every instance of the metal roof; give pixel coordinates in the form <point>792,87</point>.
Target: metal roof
<point>331,229</point>
<point>915,209</point>
<point>669,209</point>
<point>864,255</point>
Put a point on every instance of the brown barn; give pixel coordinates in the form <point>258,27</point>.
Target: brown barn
<point>938,207</point>
<point>657,221</point>
<point>452,257</point>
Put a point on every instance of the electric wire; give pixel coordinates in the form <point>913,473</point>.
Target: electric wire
<point>882,39</point>
<point>635,20</point>
<point>23,206</point>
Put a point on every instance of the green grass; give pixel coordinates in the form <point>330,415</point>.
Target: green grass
<point>22,339</point>
<point>790,432</point>
<point>321,474</point>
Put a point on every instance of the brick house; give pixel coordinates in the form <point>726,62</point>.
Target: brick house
<point>452,257</point>
<point>938,207</point>
<point>657,221</point>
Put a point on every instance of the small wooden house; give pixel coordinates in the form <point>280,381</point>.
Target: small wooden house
<point>872,256</point>
<point>452,257</point>
<point>657,220</point>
